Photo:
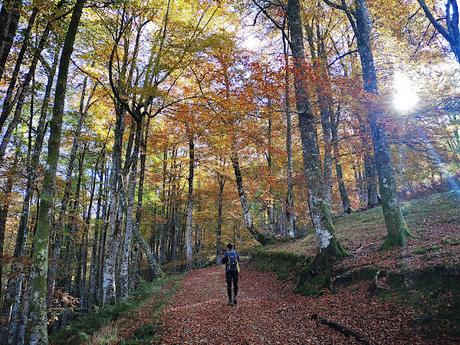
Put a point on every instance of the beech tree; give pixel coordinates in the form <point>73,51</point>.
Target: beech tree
<point>358,15</point>
<point>139,137</point>
<point>39,333</point>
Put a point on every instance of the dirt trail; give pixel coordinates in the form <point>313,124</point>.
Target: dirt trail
<point>268,312</point>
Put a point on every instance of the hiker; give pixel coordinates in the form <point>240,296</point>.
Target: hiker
<point>231,260</point>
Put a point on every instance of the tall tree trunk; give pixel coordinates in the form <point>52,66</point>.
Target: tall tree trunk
<point>38,319</point>
<point>270,201</point>
<point>325,112</point>
<point>74,251</point>
<point>130,220</point>
<point>99,172</point>
<point>9,19</point>
<point>328,246</point>
<point>9,101</point>
<point>325,101</point>
<point>115,216</point>
<point>220,202</point>
<point>370,183</point>
<point>258,236</point>
<point>4,207</point>
<point>61,223</point>
<point>153,262</point>
<point>23,89</point>
<point>290,211</point>
<point>370,171</point>
<point>22,93</point>
<point>189,222</point>
<point>15,283</point>
<point>396,226</point>
<point>338,166</point>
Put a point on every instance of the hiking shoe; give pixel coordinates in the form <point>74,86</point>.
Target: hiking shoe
<point>230,302</point>
<point>234,300</point>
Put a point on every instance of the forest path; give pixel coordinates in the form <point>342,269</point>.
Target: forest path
<point>268,312</point>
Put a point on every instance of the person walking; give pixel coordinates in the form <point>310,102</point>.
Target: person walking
<point>231,259</point>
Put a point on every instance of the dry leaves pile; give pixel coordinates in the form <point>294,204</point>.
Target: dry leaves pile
<point>268,312</point>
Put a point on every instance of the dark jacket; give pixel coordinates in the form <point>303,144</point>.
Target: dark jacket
<point>225,260</point>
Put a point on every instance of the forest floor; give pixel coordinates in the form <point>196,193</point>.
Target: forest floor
<point>268,312</point>
<point>192,309</point>
<point>434,222</point>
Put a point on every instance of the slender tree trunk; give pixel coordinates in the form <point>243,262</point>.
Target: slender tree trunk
<point>92,298</point>
<point>61,223</point>
<point>130,220</point>
<point>153,262</point>
<point>290,211</point>
<point>15,283</point>
<point>270,201</point>
<point>325,112</point>
<point>22,93</point>
<point>38,319</point>
<point>23,90</point>
<point>338,166</point>
<point>325,101</point>
<point>220,202</point>
<point>396,226</point>
<point>370,184</point>
<point>258,236</point>
<point>4,207</point>
<point>189,222</point>
<point>72,286</point>
<point>115,216</point>
<point>328,246</point>
<point>9,101</point>
<point>9,19</point>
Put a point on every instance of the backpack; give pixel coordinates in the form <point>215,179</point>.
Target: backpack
<point>232,260</point>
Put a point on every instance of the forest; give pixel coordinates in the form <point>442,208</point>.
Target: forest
<point>139,137</point>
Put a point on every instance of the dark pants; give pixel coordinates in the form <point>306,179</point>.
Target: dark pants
<point>232,276</point>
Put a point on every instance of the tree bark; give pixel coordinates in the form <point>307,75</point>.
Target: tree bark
<point>9,101</point>
<point>38,319</point>
<point>9,17</point>
<point>58,231</point>
<point>258,236</point>
<point>153,262</point>
<point>15,283</point>
<point>290,211</point>
<point>189,222</point>
<point>397,231</point>
<point>220,201</point>
<point>338,166</point>
<point>4,207</point>
<point>115,216</point>
<point>130,220</point>
<point>328,246</point>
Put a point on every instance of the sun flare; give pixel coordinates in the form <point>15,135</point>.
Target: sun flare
<point>405,95</point>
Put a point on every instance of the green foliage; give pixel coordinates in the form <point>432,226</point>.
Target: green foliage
<point>285,264</point>
<point>85,325</point>
<point>143,335</point>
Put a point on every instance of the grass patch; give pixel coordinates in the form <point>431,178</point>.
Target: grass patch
<point>81,330</point>
<point>368,226</point>
<point>285,264</point>
<point>143,335</point>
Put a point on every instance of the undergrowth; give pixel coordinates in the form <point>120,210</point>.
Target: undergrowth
<point>97,328</point>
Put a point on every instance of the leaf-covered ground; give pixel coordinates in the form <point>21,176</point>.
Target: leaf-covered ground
<point>434,222</point>
<point>268,312</point>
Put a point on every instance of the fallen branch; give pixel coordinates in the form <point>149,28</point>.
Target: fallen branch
<point>342,329</point>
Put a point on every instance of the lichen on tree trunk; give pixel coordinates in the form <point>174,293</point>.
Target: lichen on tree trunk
<point>38,317</point>
<point>329,248</point>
